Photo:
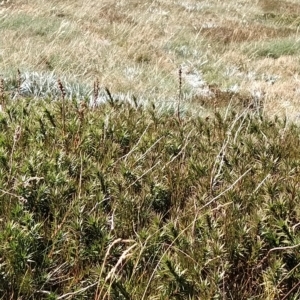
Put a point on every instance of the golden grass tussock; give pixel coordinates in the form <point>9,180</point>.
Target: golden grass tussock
<point>237,32</point>
<point>112,14</point>
<point>286,66</point>
<point>282,7</point>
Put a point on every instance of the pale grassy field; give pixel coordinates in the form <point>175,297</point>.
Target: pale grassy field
<point>249,47</point>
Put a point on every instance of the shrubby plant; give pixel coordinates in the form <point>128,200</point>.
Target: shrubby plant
<point>119,201</point>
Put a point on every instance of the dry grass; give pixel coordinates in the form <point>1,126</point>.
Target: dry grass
<point>283,7</point>
<point>137,48</point>
<point>237,32</point>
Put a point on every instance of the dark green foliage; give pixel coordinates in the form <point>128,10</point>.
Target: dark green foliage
<point>120,202</point>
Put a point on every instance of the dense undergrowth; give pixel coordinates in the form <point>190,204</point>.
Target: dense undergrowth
<point>123,202</point>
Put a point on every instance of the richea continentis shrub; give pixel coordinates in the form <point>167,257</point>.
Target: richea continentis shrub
<point>118,201</point>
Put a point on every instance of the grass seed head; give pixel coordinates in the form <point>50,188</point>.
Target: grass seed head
<point>96,91</point>
<point>19,81</point>
<point>2,93</point>
<point>61,88</point>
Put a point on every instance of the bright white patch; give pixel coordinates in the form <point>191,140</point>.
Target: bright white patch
<point>194,79</point>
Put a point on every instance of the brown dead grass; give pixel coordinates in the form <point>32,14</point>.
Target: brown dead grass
<point>110,13</point>
<point>286,66</point>
<point>236,32</point>
<point>221,99</point>
<point>280,99</point>
<point>279,6</point>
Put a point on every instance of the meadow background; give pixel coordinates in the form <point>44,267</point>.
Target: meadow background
<point>149,150</point>
<point>250,47</point>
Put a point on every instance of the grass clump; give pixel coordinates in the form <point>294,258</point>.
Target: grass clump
<point>122,202</point>
<point>276,48</point>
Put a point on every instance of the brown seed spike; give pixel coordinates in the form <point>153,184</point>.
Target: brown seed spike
<point>96,91</point>
<point>61,87</point>
<point>63,111</point>
<point>19,80</point>
<point>1,88</point>
<point>179,91</point>
<point>180,80</point>
<point>2,94</point>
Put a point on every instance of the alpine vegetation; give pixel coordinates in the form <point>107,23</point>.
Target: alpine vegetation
<point>119,201</point>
